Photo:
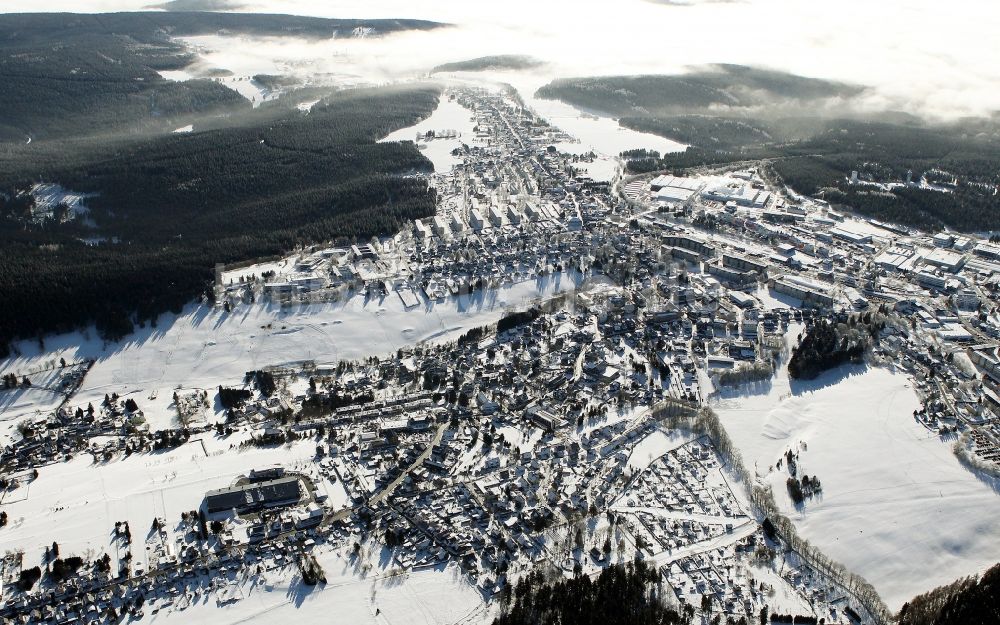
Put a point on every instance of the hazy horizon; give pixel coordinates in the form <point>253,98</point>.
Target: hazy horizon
<point>931,63</point>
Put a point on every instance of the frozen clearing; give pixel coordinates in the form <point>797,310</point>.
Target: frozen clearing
<point>655,445</point>
<point>305,107</point>
<point>257,270</point>
<point>239,56</point>
<point>897,507</point>
<point>448,116</point>
<point>204,347</point>
<point>27,402</point>
<point>771,299</point>
<point>427,597</point>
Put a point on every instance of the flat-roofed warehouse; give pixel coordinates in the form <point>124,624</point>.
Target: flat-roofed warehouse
<point>676,182</point>
<point>857,238</point>
<point>674,188</point>
<point>944,259</point>
<point>286,491</point>
<point>673,194</point>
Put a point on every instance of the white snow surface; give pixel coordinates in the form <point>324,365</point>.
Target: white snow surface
<point>599,133</point>
<point>24,402</point>
<point>654,445</point>
<point>449,115</point>
<point>897,506</point>
<point>424,597</point>
<point>79,503</point>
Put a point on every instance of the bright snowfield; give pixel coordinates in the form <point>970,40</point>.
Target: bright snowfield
<point>205,347</point>
<point>448,116</point>
<point>42,398</point>
<point>897,506</point>
<point>436,596</point>
<point>601,135</point>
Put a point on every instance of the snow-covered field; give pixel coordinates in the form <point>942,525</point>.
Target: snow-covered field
<point>860,226</point>
<point>204,347</point>
<point>257,270</point>
<point>771,299</point>
<point>50,381</point>
<point>28,401</point>
<point>655,445</point>
<point>427,597</point>
<point>449,115</point>
<point>897,507</point>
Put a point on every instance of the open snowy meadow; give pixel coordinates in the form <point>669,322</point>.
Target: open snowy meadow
<point>897,506</point>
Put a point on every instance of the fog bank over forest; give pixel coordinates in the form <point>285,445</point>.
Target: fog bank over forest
<point>917,57</point>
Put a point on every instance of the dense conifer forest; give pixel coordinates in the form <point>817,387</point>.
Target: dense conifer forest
<point>720,86</point>
<point>167,209</point>
<point>628,594</point>
<point>623,594</point>
<point>486,63</point>
<point>718,133</point>
<point>968,601</point>
<point>85,107</point>
<point>825,344</point>
<point>67,75</point>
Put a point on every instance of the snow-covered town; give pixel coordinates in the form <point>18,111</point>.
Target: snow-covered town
<point>564,367</point>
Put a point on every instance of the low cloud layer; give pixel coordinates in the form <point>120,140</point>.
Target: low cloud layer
<point>915,56</point>
<point>691,3</point>
<point>198,5</point>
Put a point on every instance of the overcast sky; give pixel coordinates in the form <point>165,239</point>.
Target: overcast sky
<point>933,58</point>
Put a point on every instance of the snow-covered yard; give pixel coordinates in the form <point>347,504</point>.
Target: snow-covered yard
<point>426,597</point>
<point>449,116</point>
<point>896,507</point>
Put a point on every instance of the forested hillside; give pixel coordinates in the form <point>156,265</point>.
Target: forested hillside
<point>178,204</point>
<point>486,63</point>
<point>965,163</point>
<point>828,344</point>
<point>718,133</point>
<point>720,86</point>
<point>968,601</point>
<point>623,594</point>
<point>67,75</point>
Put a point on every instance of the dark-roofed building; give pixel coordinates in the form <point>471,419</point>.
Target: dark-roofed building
<point>255,496</point>
<point>266,475</point>
<point>689,243</point>
<point>743,264</point>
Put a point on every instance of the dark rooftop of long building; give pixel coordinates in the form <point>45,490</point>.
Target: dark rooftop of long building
<point>255,496</point>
